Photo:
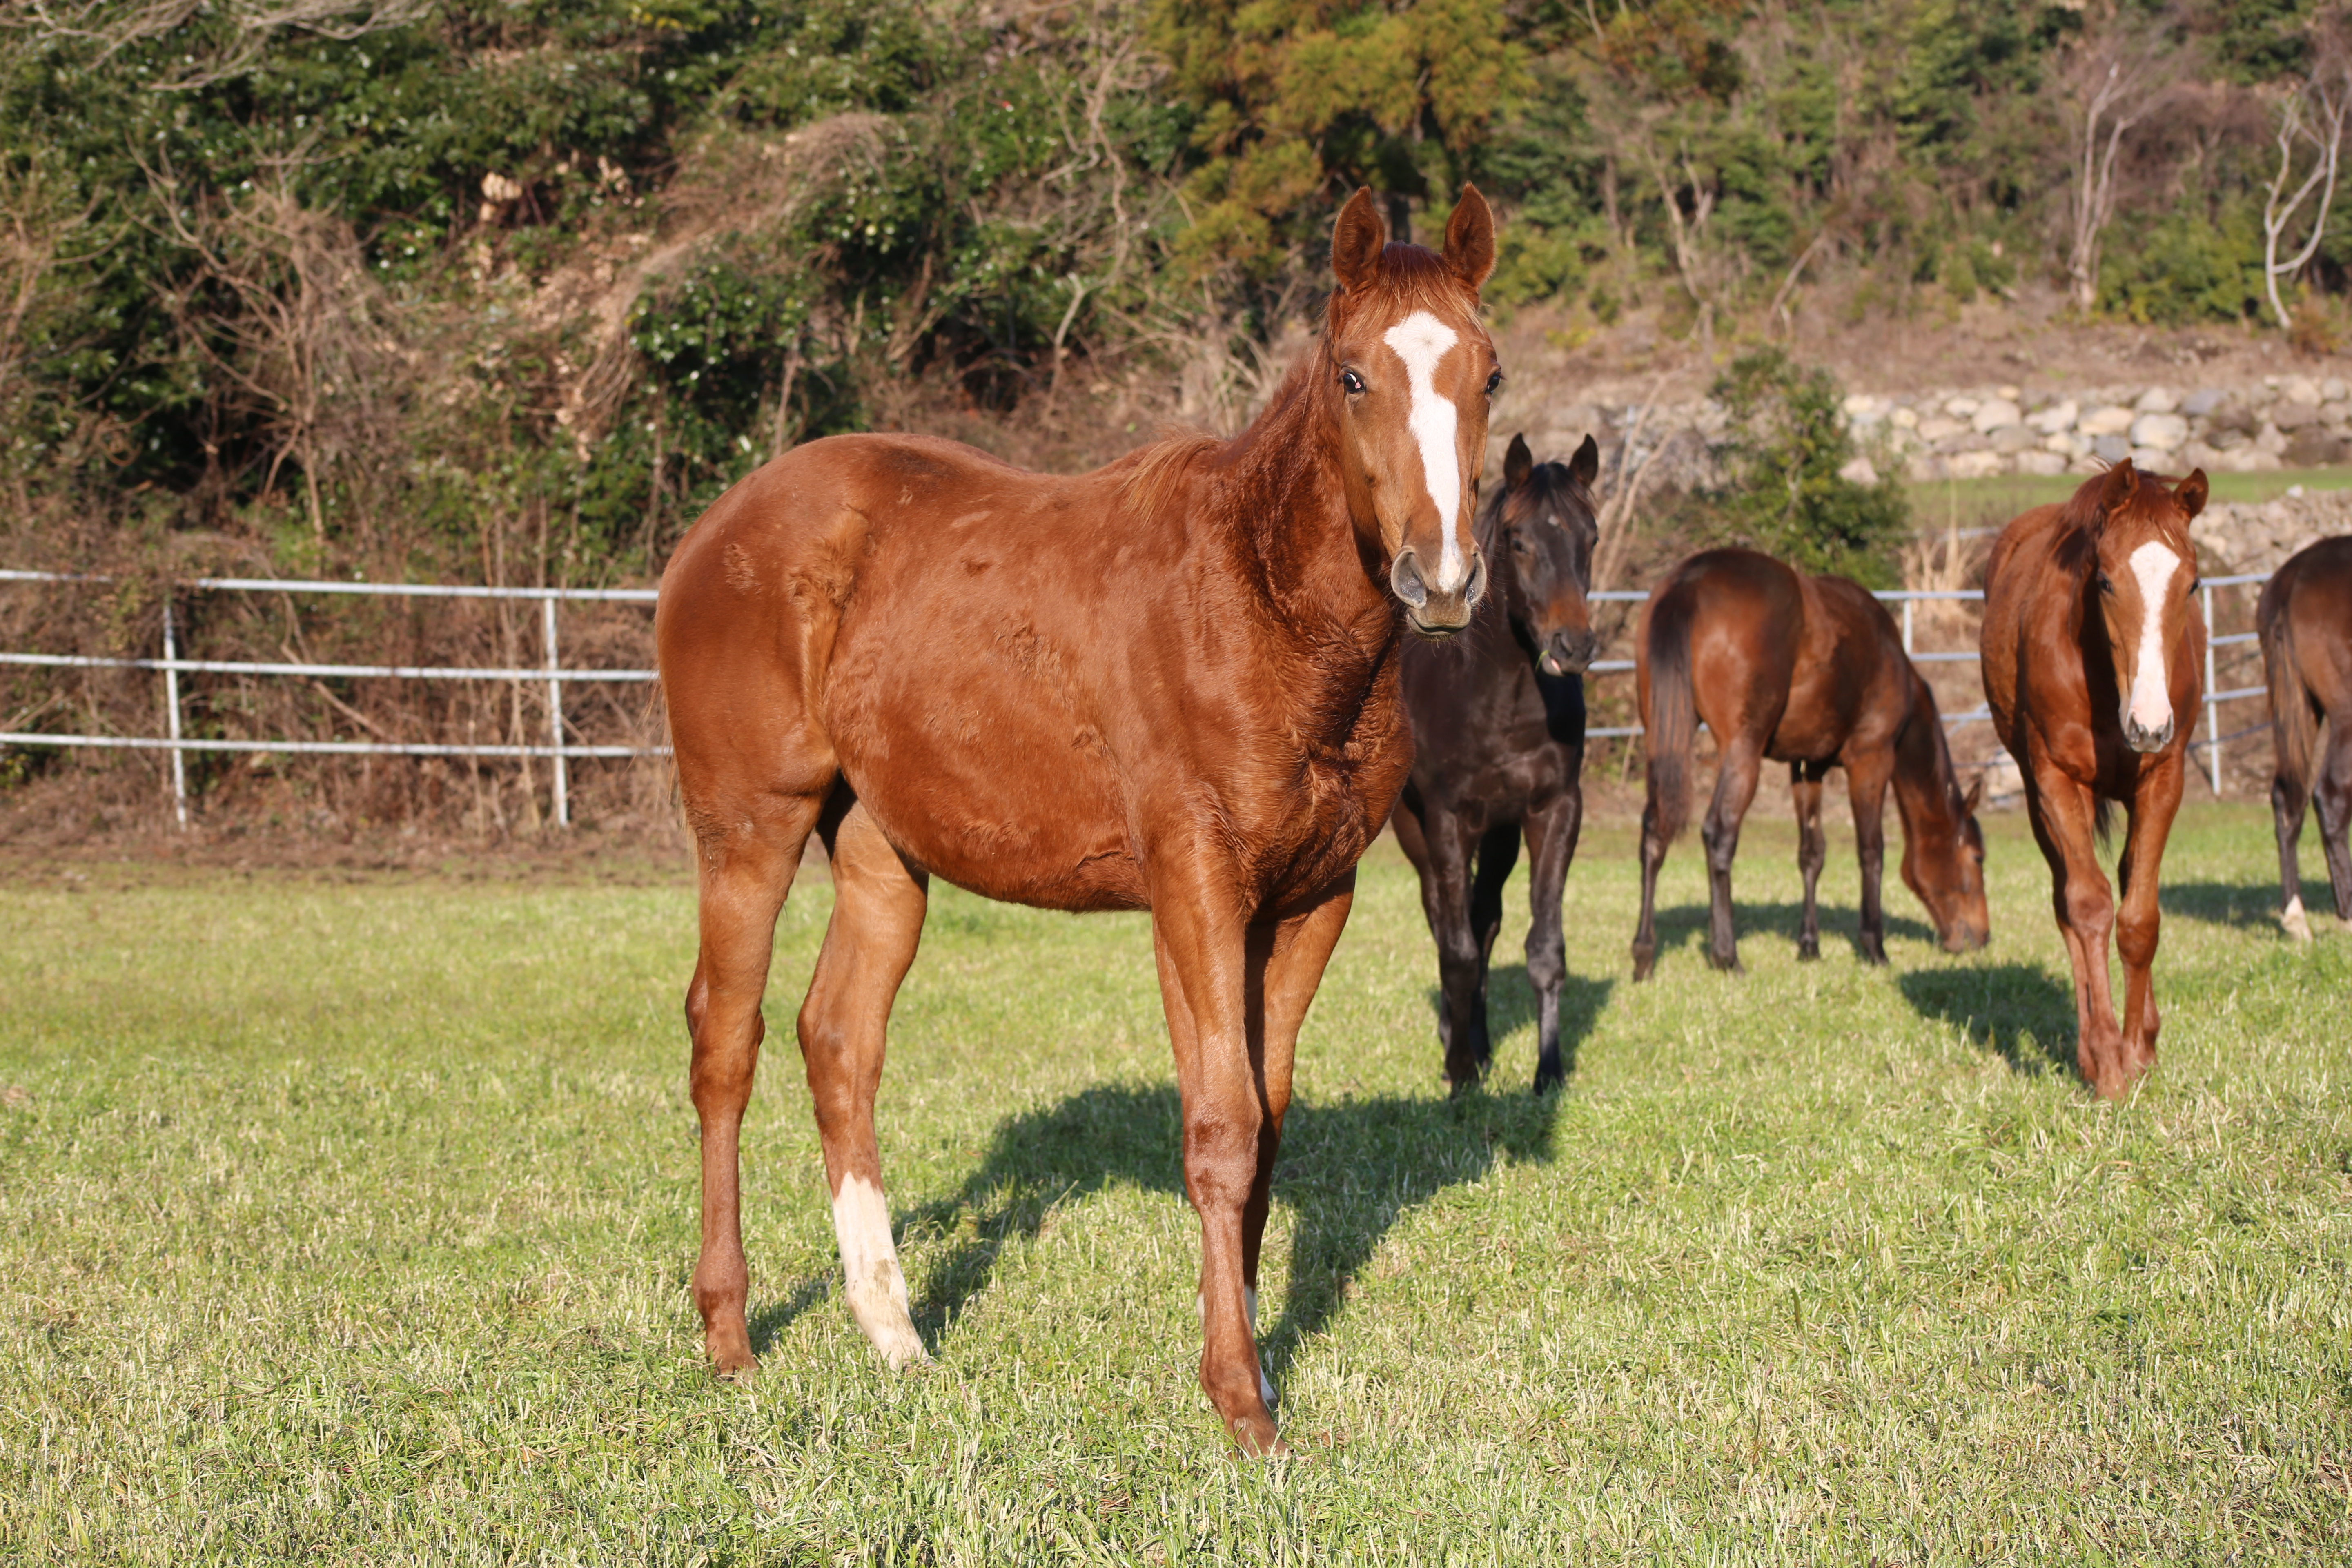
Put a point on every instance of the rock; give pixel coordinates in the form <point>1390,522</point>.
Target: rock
<point>1940,429</point>
<point>1858,471</point>
<point>2110,449</point>
<point>2066,444</point>
<point>1904,419</point>
<point>1973,465</point>
<point>2294,415</point>
<point>1992,414</point>
<point>2112,420</point>
<point>2012,393</point>
<point>2058,416</point>
<point>2300,389</point>
<point>2269,439</point>
<point>1861,405</point>
<point>2043,463</point>
<point>2198,454</point>
<point>2014,438</point>
<point>2157,400</point>
<point>2333,389</point>
<point>2165,431</point>
<point>2314,447</point>
<point>2336,413</point>
<point>2153,460</point>
<point>2203,401</point>
<point>1960,407</point>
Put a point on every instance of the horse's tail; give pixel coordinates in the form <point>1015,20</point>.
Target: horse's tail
<point>1668,727</point>
<point>2294,729</point>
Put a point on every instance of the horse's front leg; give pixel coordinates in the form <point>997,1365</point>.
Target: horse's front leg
<point>1288,958</point>
<point>1441,851</point>
<point>2141,921</point>
<point>1866,789</point>
<point>1551,832</point>
<point>2064,814</point>
<point>1200,937</point>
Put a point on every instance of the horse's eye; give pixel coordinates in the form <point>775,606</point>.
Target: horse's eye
<point>1493,382</point>
<point>2106,583</point>
<point>1351,384</point>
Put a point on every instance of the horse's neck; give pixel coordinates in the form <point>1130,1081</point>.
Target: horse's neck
<point>1923,784</point>
<point>1276,493</point>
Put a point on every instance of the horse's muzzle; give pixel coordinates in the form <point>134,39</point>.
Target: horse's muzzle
<point>1569,653</point>
<point>2142,739</point>
<point>1963,937</point>
<point>1434,612</point>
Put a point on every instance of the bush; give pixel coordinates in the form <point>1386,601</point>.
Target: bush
<point>1783,493</point>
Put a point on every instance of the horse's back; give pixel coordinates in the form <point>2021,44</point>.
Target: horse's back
<point>1736,617</point>
<point>2020,567</point>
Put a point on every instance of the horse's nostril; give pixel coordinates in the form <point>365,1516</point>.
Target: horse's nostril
<point>1405,578</point>
<point>1476,589</point>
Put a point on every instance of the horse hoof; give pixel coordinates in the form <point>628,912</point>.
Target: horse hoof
<point>741,1371</point>
<point>1731,965</point>
<point>1873,955</point>
<point>1807,951</point>
<point>1550,1082</point>
<point>1641,967</point>
<point>2298,925</point>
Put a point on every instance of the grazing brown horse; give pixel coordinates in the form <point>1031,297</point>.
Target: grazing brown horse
<point>1809,671</point>
<point>1498,750</point>
<point>1170,684</point>
<point>2091,647</point>
<point>2305,622</point>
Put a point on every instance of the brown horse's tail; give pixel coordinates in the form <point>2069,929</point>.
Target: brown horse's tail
<point>2294,729</point>
<point>1667,728</point>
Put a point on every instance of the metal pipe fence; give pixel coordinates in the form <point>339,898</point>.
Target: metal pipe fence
<point>560,752</point>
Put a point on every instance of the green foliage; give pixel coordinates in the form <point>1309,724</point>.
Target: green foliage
<point>1298,103</point>
<point>2185,266</point>
<point>1783,493</point>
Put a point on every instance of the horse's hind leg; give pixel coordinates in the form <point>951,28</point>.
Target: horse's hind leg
<point>2287,818</point>
<point>1812,849</point>
<point>1735,788</point>
<point>878,919</point>
<point>747,850</point>
<point>2334,797</point>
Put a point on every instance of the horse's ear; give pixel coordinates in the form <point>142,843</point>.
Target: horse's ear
<point>1470,239</point>
<point>1356,241</point>
<point>1970,802</point>
<point>2122,480</point>
<point>1585,467</point>
<point>1517,463</point>
<point>2192,492</point>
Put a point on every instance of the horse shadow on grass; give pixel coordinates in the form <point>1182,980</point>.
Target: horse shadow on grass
<point>1511,1006</point>
<point>1686,925</point>
<point>2016,1010</point>
<point>2253,907</point>
<point>1348,1171</point>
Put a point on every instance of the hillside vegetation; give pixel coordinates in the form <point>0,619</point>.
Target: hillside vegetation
<point>362,283</point>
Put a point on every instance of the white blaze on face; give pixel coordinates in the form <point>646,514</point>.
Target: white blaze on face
<point>2151,693</point>
<point>876,1289</point>
<point>1421,340</point>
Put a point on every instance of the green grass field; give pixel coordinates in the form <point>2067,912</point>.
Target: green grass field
<point>349,1221</point>
<point>1988,503</point>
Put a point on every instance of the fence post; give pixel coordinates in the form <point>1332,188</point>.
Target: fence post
<point>1907,648</point>
<point>172,712</point>
<point>555,718</point>
<point>2213,706</point>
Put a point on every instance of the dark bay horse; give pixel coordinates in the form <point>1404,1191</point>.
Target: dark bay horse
<point>1498,750</point>
<point>2305,622</point>
<point>2092,644</point>
<point>1810,671</point>
<point>1170,684</point>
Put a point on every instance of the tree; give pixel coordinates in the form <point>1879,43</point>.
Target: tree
<point>2311,116</point>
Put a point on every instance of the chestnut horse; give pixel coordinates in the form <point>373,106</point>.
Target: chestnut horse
<point>1810,671</point>
<point>2093,643</point>
<point>1498,750</point>
<point>1170,684</point>
<point>2305,622</point>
